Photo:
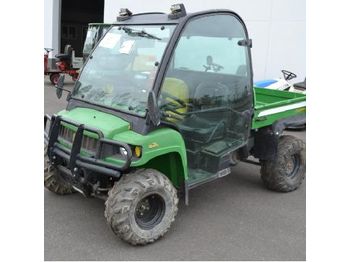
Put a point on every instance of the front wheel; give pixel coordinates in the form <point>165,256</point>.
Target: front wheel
<point>287,171</point>
<point>54,78</point>
<point>52,180</point>
<point>141,206</point>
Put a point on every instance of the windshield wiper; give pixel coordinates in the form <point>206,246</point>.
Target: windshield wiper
<point>141,33</point>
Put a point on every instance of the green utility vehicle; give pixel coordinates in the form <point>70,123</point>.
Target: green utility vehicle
<point>166,103</point>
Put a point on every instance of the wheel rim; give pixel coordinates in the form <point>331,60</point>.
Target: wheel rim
<point>55,79</point>
<point>150,211</point>
<point>292,166</point>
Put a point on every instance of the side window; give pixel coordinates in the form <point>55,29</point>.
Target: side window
<point>194,52</point>
<point>209,66</point>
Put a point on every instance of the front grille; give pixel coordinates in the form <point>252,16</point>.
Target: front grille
<point>88,143</point>
<point>66,134</point>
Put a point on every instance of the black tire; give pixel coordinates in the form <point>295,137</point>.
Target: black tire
<point>129,198</point>
<point>287,171</point>
<point>54,78</point>
<point>301,127</point>
<point>52,180</point>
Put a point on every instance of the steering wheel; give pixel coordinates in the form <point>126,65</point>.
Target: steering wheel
<point>288,75</point>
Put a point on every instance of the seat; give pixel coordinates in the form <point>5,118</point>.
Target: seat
<point>300,86</point>
<point>207,126</point>
<point>63,57</point>
<point>177,88</point>
<point>201,130</point>
<point>67,55</point>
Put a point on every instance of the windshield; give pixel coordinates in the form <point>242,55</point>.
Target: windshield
<point>122,68</point>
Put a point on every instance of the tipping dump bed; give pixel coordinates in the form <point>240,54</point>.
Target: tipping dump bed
<point>272,105</point>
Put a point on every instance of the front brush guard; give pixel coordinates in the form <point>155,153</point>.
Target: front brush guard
<point>75,161</point>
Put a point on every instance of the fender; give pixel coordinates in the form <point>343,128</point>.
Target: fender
<point>157,143</point>
<point>266,138</point>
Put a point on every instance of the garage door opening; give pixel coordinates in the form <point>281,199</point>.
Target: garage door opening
<point>75,16</point>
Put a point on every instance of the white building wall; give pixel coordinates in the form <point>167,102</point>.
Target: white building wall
<point>52,25</point>
<point>277,28</point>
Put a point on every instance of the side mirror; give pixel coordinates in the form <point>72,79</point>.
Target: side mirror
<point>153,110</point>
<point>245,42</point>
<point>59,86</point>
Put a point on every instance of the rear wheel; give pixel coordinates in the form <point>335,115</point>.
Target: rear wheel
<point>141,206</point>
<point>300,127</point>
<point>54,78</point>
<point>287,171</point>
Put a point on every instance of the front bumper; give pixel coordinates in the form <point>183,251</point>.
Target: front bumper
<point>73,159</point>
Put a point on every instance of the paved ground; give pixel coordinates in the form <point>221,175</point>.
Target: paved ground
<point>234,218</point>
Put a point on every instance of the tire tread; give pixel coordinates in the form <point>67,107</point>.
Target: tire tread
<point>120,199</point>
<point>273,173</point>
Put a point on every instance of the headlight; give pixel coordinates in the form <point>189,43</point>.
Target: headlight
<point>123,151</point>
<point>116,151</point>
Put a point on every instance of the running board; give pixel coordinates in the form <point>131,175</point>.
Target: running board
<point>251,162</point>
<point>201,181</point>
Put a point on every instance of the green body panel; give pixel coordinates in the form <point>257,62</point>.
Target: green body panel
<point>109,125</point>
<point>272,105</point>
<point>164,148</point>
<point>163,144</point>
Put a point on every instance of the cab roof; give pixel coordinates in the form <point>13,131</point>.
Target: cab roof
<point>149,18</point>
<point>163,18</point>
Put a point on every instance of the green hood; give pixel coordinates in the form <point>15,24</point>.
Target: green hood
<point>109,125</point>
<point>162,141</point>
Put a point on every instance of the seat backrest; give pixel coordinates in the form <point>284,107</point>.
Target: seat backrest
<point>179,89</point>
<point>300,86</point>
<point>68,50</point>
<point>210,95</point>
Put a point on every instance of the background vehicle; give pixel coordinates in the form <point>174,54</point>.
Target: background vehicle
<point>283,83</point>
<point>68,64</point>
<point>166,103</point>
<point>49,69</point>
<point>65,63</point>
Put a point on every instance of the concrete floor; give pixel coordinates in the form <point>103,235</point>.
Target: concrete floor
<point>233,218</point>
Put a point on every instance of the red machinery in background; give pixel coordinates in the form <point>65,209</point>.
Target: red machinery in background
<point>49,70</point>
<point>64,65</point>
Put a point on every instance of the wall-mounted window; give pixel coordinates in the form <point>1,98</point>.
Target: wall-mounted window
<point>69,32</point>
